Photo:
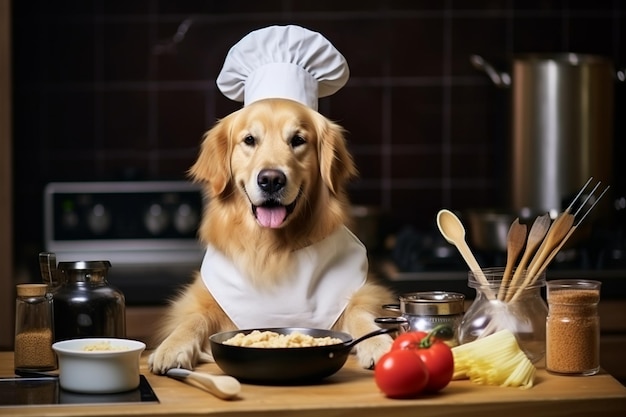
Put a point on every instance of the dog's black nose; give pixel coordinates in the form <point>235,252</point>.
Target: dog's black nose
<point>271,180</point>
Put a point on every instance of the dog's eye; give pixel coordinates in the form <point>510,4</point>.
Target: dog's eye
<point>297,140</point>
<point>249,140</point>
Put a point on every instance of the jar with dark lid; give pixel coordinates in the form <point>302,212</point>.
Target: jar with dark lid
<point>85,304</point>
<point>423,311</point>
<point>34,329</point>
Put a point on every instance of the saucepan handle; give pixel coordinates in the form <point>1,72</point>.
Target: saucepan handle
<point>378,332</point>
<point>392,320</point>
<point>392,307</point>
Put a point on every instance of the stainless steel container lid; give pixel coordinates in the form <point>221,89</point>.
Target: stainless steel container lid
<point>432,303</point>
<point>81,265</point>
<point>84,271</point>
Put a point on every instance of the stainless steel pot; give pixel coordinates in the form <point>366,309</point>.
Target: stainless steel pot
<point>562,125</point>
<point>427,310</point>
<point>489,228</point>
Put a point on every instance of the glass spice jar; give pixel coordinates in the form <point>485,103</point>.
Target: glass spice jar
<point>573,327</point>
<point>34,329</point>
<point>523,315</point>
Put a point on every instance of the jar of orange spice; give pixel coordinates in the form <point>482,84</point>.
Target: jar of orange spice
<point>573,327</point>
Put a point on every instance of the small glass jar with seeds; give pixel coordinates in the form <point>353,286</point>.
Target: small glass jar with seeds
<point>34,329</point>
<point>573,327</point>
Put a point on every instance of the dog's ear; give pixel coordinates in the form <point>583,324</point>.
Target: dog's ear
<point>213,163</point>
<point>336,163</point>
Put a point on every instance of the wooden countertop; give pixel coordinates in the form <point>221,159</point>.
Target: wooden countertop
<point>352,392</point>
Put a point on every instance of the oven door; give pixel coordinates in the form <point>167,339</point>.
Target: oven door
<point>147,230</point>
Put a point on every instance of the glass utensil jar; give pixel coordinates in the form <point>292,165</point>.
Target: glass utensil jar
<point>525,316</point>
<point>34,329</point>
<point>573,327</point>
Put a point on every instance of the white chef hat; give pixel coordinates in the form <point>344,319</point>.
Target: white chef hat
<point>282,62</point>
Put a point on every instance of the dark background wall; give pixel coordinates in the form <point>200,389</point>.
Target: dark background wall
<point>101,92</point>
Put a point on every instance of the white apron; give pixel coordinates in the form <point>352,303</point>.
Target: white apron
<point>326,275</point>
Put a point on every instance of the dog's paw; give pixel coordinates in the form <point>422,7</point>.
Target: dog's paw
<point>206,357</point>
<point>369,351</point>
<point>171,355</point>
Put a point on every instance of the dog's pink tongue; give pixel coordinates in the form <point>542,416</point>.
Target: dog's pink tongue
<point>271,216</point>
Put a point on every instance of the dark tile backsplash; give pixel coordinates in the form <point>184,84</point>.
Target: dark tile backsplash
<point>102,93</point>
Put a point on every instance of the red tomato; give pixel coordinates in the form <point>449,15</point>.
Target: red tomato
<point>434,353</point>
<point>409,340</point>
<point>400,373</point>
<point>439,362</point>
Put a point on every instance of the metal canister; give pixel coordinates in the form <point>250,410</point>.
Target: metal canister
<point>85,304</point>
<point>424,311</point>
<point>562,112</point>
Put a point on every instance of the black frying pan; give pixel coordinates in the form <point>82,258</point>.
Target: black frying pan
<point>292,365</point>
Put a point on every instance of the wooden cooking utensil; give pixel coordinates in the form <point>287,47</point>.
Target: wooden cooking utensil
<point>453,231</point>
<point>222,386</point>
<point>560,220</point>
<point>557,232</point>
<point>515,241</point>
<point>556,250</point>
<point>554,236</point>
<point>537,232</point>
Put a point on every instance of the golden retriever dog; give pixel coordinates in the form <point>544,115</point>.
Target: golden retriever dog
<point>275,173</point>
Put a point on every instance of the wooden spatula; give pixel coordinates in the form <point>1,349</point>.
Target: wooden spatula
<point>537,232</point>
<point>555,235</point>
<point>515,241</point>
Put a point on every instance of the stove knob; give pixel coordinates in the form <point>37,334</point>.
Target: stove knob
<point>70,220</point>
<point>156,219</point>
<point>99,219</point>
<point>186,219</point>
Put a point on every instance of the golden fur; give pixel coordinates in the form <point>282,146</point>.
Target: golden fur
<point>281,136</point>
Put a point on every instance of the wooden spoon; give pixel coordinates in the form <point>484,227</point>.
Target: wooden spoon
<point>555,235</point>
<point>453,231</point>
<point>537,232</point>
<point>222,386</point>
<point>515,241</point>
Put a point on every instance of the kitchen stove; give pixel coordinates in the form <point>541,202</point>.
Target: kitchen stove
<point>147,230</point>
<point>43,390</point>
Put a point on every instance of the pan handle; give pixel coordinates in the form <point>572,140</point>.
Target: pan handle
<point>392,320</point>
<point>377,332</point>
<point>392,307</point>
